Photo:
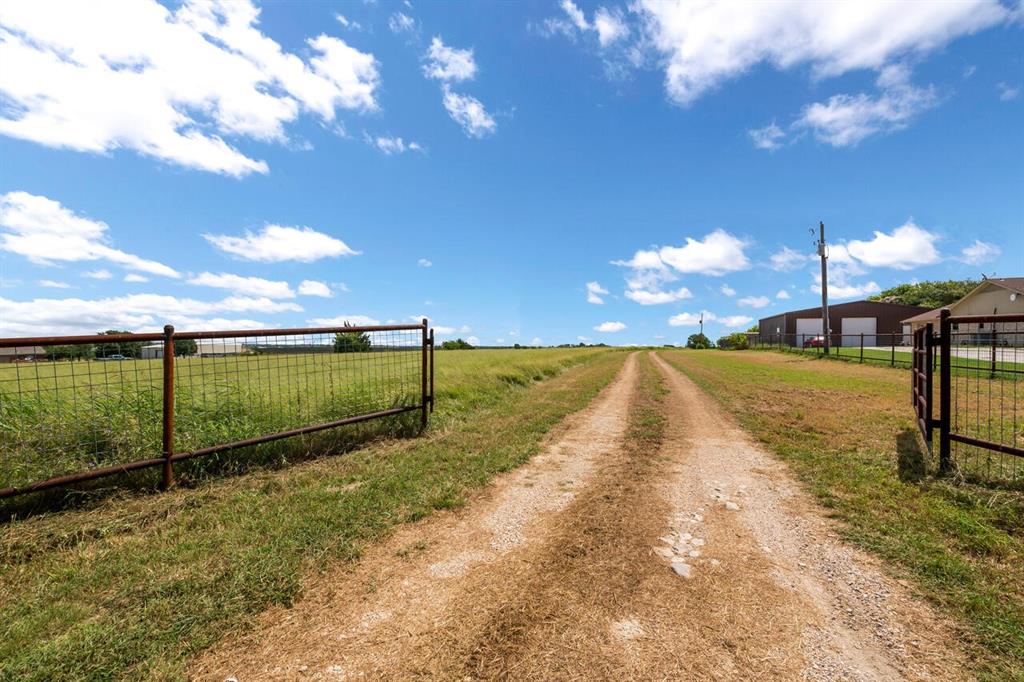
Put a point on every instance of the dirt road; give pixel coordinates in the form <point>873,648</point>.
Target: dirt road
<point>651,539</point>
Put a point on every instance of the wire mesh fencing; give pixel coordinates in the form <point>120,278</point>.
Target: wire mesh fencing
<point>76,408</point>
<point>892,349</point>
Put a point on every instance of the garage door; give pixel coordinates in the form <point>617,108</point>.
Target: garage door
<point>854,326</point>
<point>807,328</point>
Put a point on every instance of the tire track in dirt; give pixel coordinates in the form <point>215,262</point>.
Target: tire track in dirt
<point>852,621</point>
<point>386,617</point>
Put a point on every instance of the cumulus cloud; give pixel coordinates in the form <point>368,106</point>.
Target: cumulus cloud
<point>690,319</point>
<point>97,274</point>
<point>135,312</point>
<point>343,320</point>
<point>645,297</point>
<point>248,286</point>
<point>133,278</point>
<point>311,287</point>
<point>769,137</point>
<point>276,243</point>
<point>448,64</point>
<point>703,45</point>
<point>782,295</point>
<point>845,120</point>
<point>399,22</point>
<point>610,327</point>
<point>424,262</point>
<point>392,145</point>
<point>979,252</point>
<point>717,254</point>
<point>735,321</point>
<point>44,231</point>
<point>594,293</point>
<point>907,247</point>
<point>754,301</point>
<point>727,290</point>
<point>168,84</point>
<point>788,259</point>
<point>609,25</point>
<point>469,112</point>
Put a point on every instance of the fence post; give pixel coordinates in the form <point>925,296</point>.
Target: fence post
<point>168,430</point>
<point>423,378</point>
<point>862,348</point>
<point>993,349</point>
<point>892,359</point>
<point>431,371</point>
<point>944,389</point>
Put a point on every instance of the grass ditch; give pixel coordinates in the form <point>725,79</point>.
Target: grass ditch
<point>847,432</point>
<point>133,585</point>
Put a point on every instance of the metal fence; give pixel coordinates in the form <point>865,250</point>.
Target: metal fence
<point>76,408</point>
<point>979,413</point>
<point>894,350</point>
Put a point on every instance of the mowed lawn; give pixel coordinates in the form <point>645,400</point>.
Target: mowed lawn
<point>847,431</point>
<point>130,584</point>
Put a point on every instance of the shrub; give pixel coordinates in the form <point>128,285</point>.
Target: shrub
<point>735,341</point>
<point>457,344</point>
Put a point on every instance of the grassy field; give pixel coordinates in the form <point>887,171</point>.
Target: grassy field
<point>969,362</point>
<point>63,417</point>
<point>847,431</point>
<point>130,586</point>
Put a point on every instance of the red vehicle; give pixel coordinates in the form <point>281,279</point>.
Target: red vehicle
<point>815,342</point>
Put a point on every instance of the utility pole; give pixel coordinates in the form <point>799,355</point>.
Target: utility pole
<point>823,254</point>
<point>701,323</point>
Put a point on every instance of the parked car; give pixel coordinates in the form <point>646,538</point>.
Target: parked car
<point>815,342</point>
<point>115,356</point>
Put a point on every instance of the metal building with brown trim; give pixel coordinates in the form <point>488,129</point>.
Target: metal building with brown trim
<point>876,320</point>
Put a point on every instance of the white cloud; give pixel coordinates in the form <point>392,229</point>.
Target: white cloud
<point>276,243</point>
<point>594,293</point>
<point>718,253</point>
<point>647,297</point>
<point>610,26</point>
<point>133,278</point>
<point>44,231</point>
<point>52,284</point>
<point>788,259</point>
<point>448,64</point>
<point>392,145</point>
<point>783,295</point>
<point>469,113</point>
<point>583,339</point>
<point>575,15</point>
<point>348,23</point>
<point>424,262</point>
<point>840,289</point>
<point>473,340</point>
<point>168,84</point>
<point>980,252</point>
<point>690,319</point>
<point>399,22</point>
<point>754,301</point>
<point>610,327</point>
<point>342,320</point>
<point>97,274</point>
<point>135,312</point>
<point>536,342</point>
<point>311,287</point>
<point>247,286</point>
<point>727,290</point>
<point>845,120</point>
<point>1007,93</point>
<point>970,71</point>
<point>703,44</point>
<point>735,321</point>
<point>907,247</point>
<point>768,137</point>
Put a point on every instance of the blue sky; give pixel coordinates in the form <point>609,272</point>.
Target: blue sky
<point>498,168</point>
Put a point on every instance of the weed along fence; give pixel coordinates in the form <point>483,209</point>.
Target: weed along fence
<point>76,408</point>
<point>977,404</point>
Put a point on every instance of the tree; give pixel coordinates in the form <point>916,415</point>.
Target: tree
<point>457,344</point>
<point>734,341</point>
<point>928,294</point>
<point>756,329</point>
<point>185,347</point>
<point>129,349</point>
<point>698,342</point>
<point>351,342</point>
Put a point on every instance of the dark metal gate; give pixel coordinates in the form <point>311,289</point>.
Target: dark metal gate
<point>921,381</point>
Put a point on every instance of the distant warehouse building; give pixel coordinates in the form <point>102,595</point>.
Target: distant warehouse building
<point>876,320</point>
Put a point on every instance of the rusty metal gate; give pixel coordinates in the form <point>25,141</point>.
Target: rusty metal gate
<point>921,381</point>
